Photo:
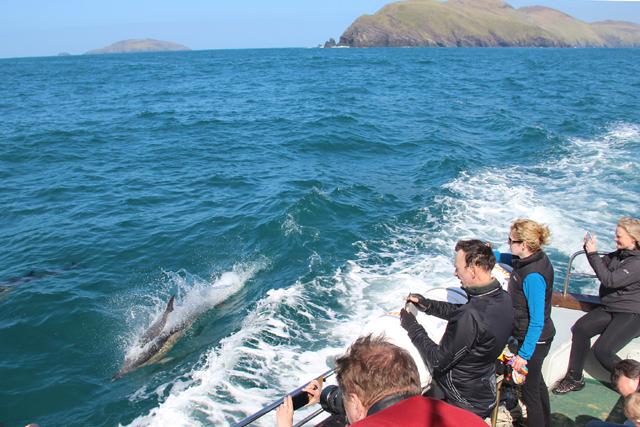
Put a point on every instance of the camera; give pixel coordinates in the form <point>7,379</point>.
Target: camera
<point>332,401</point>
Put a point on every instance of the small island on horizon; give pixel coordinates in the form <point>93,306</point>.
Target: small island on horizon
<point>481,23</point>
<point>138,45</point>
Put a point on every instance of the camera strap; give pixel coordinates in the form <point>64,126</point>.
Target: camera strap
<point>388,401</point>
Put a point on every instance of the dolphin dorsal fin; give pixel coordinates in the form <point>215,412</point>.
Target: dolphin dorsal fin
<point>170,304</point>
<point>31,273</point>
<point>156,328</point>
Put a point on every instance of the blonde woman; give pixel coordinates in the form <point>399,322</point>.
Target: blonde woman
<point>617,320</point>
<point>531,288</point>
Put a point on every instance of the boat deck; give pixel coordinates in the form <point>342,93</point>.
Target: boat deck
<point>597,401</point>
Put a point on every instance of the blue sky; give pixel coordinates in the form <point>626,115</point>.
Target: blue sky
<point>45,27</point>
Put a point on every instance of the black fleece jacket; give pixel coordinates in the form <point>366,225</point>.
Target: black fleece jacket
<point>619,274</point>
<point>464,363</point>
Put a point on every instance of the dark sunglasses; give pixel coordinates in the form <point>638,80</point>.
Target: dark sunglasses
<point>514,241</point>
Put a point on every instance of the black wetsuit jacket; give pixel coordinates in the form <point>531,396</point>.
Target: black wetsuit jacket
<point>464,363</point>
<point>619,274</point>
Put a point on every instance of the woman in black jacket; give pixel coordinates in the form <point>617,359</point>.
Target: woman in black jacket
<point>618,319</point>
<point>531,288</point>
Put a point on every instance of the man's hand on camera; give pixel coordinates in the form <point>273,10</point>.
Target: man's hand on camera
<point>420,302</point>
<point>407,319</point>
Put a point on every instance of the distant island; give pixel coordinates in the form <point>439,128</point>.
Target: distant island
<point>138,45</point>
<point>481,23</point>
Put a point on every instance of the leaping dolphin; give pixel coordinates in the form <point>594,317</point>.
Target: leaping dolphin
<point>155,342</point>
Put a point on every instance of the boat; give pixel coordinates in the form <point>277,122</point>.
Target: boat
<point>597,401</point>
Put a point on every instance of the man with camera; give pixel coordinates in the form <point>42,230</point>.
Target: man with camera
<point>379,386</point>
<point>464,363</point>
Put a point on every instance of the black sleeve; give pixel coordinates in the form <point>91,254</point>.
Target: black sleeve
<point>442,309</point>
<point>614,278</point>
<point>457,341</point>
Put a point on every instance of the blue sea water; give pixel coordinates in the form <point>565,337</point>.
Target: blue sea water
<point>286,197</point>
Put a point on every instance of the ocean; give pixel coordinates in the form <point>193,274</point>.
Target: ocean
<point>286,197</point>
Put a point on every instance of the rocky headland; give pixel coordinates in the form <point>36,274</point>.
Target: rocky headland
<point>481,23</point>
<point>138,45</point>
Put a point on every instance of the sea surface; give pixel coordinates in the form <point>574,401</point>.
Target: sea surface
<point>286,196</point>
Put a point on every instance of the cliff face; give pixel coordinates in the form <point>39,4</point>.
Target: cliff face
<point>618,33</point>
<point>482,23</point>
<point>138,45</point>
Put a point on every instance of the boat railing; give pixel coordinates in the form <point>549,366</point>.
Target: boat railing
<point>570,274</point>
<point>310,417</point>
<point>278,402</point>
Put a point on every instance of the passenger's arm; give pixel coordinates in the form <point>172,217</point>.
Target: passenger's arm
<point>534,287</point>
<point>620,277</point>
<point>441,309</point>
<point>503,258</point>
<point>457,341</point>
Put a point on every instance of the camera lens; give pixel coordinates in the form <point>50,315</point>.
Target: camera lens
<point>332,401</point>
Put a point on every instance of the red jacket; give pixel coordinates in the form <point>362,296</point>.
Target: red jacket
<point>420,411</point>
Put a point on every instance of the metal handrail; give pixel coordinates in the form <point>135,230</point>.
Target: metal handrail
<point>278,402</point>
<point>310,417</point>
<point>570,274</point>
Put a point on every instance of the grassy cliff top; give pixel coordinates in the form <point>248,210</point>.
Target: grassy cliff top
<point>482,23</point>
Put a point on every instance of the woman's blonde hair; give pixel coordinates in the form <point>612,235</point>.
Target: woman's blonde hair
<point>632,227</point>
<point>533,234</point>
<point>631,406</point>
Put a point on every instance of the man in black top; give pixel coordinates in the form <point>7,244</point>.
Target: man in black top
<point>464,362</point>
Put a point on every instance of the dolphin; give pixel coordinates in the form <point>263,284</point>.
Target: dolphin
<point>10,284</point>
<point>155,342</point>
<point>33,276</point>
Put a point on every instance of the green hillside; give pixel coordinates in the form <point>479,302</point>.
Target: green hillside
<point>469,23</point>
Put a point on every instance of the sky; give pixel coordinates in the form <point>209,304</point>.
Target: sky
<point>46,28</point>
